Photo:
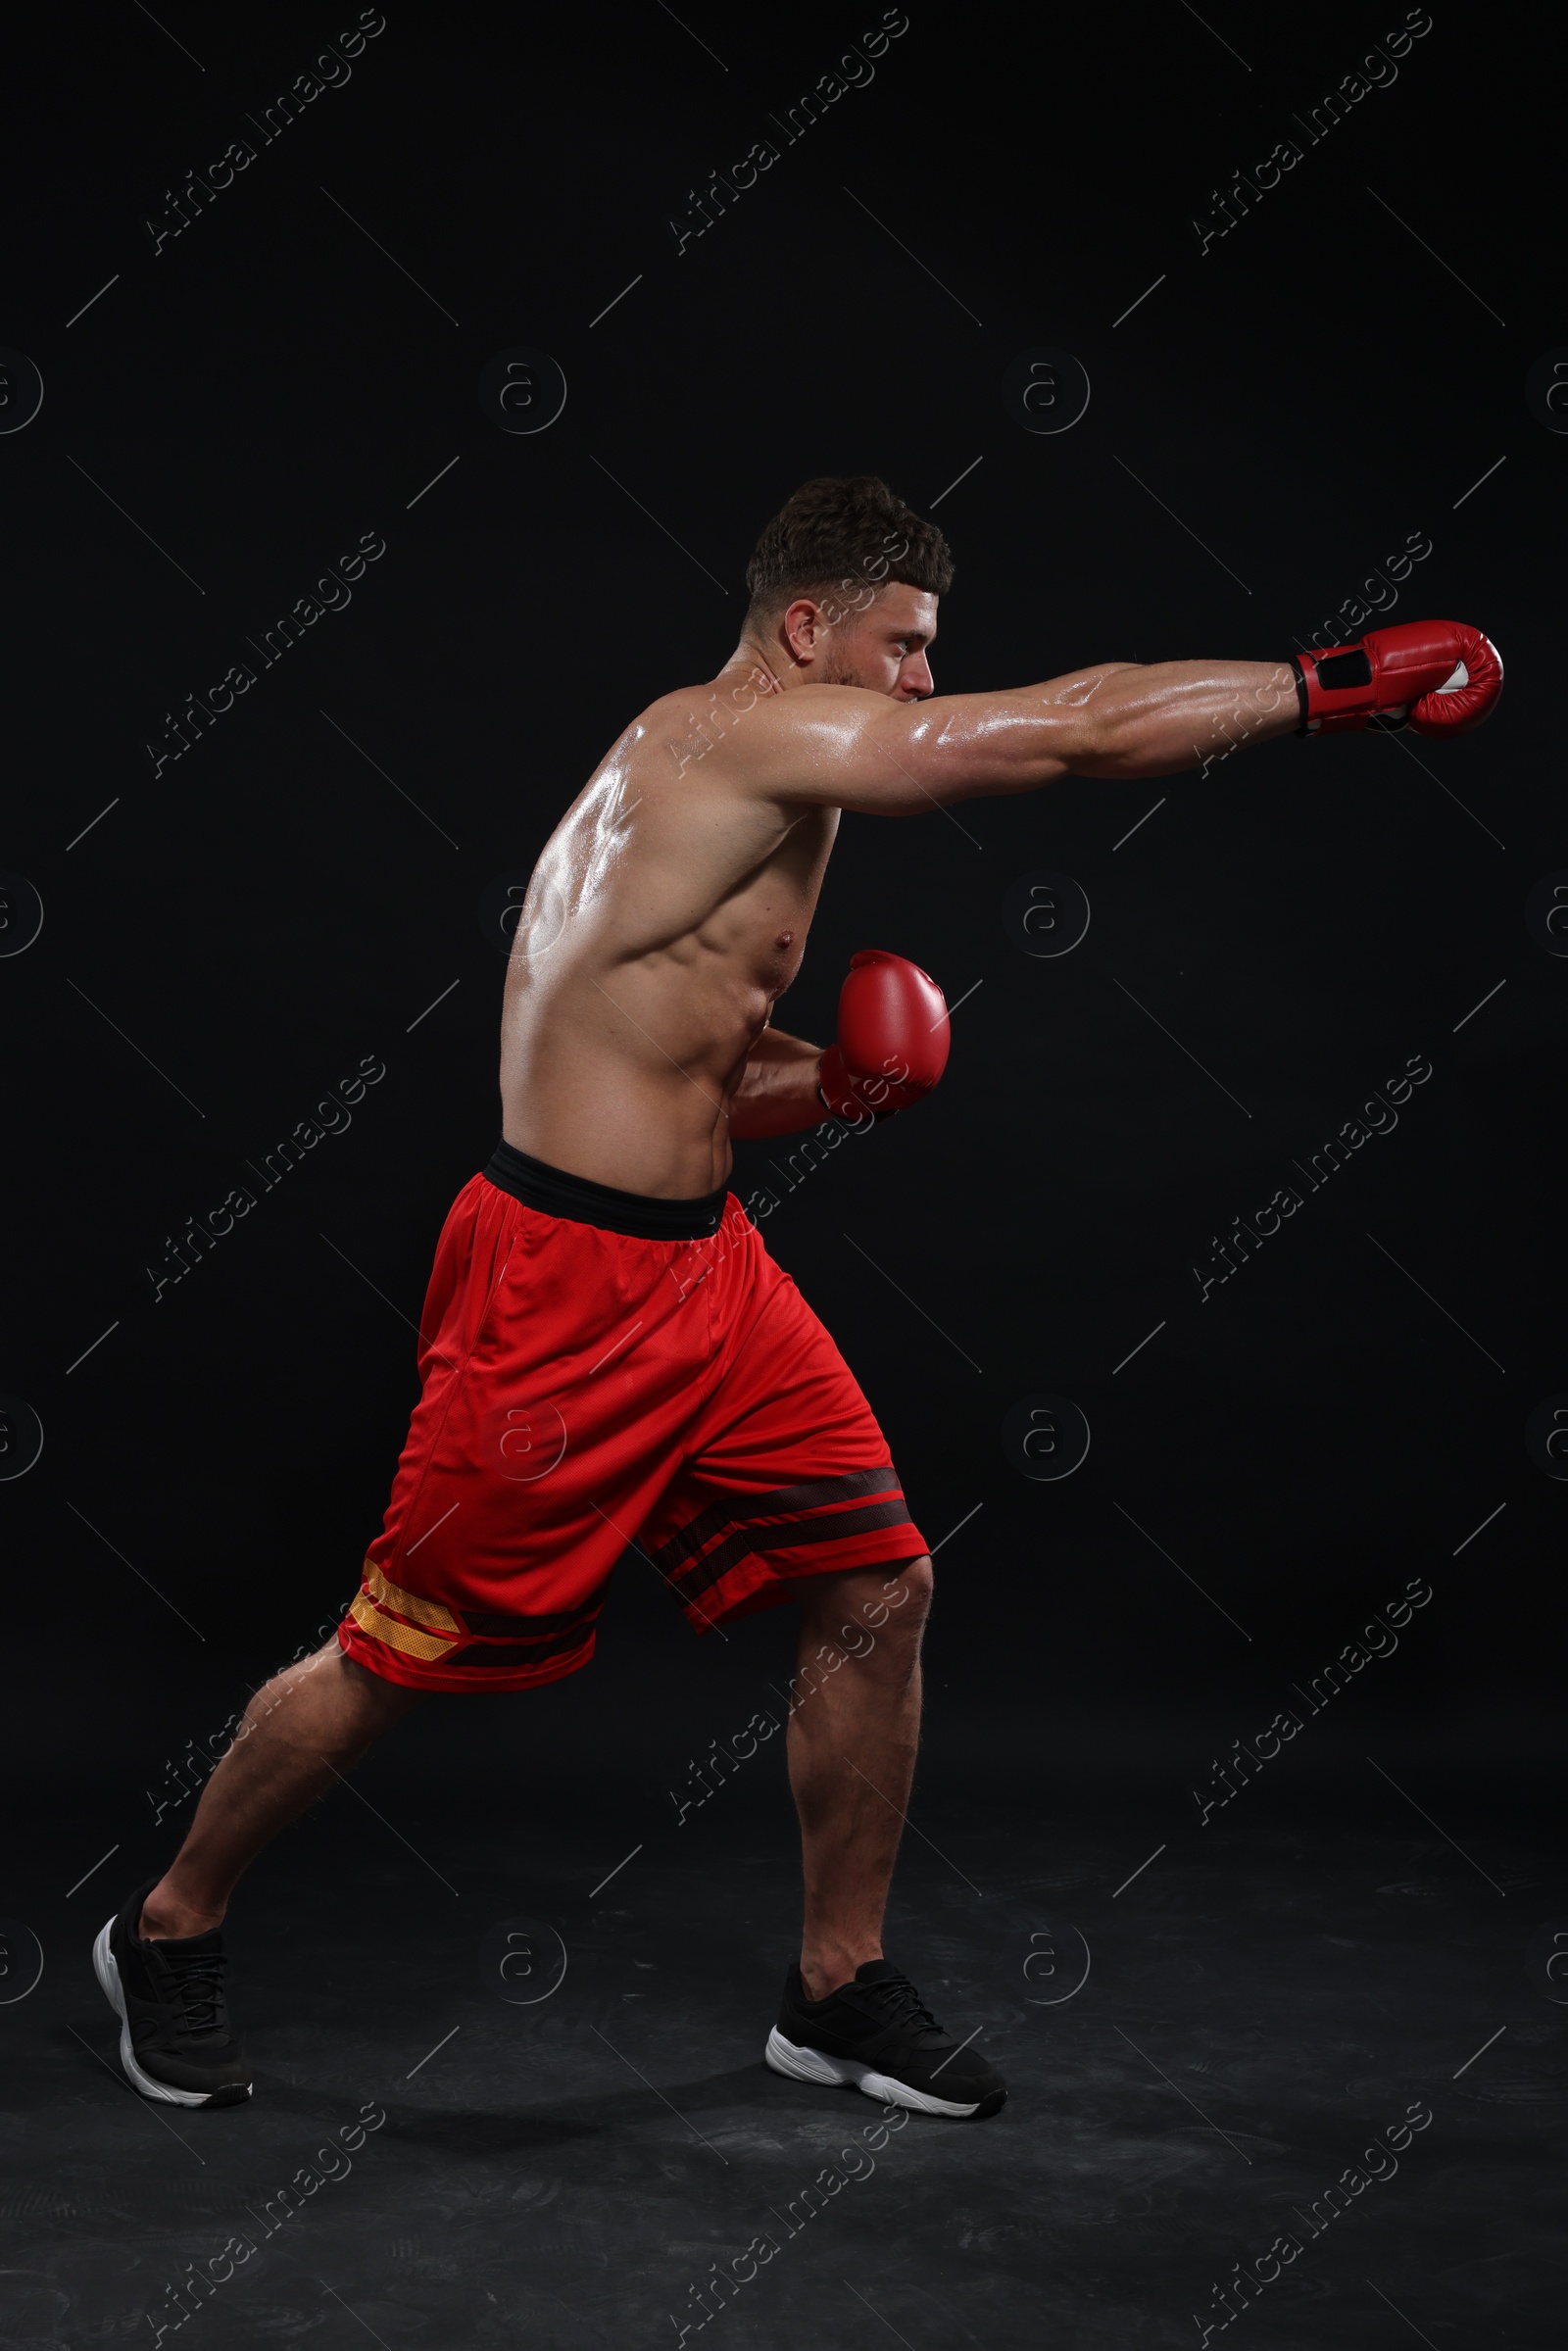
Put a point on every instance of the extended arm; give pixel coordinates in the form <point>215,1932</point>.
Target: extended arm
<point>1121,719</point>
<point>853,748</point>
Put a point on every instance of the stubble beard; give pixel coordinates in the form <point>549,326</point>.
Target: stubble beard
<point>840,671</point>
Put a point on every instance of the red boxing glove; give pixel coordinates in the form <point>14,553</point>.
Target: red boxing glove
<point>893,1037</point>
<point>1437,676</point>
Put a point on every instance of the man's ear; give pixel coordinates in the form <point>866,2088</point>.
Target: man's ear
<point>804,625</point>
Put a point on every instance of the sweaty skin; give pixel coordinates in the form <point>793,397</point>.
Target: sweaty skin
<point>669,909</point>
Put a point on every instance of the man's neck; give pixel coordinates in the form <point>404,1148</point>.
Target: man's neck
<point>761,664</point>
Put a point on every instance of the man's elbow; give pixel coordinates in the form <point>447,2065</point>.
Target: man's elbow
<point>1099,736</point>
<point>1122,745</point>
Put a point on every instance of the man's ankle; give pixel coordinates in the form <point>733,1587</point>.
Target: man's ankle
<point>823,1972</point>
<point>164,1918</point>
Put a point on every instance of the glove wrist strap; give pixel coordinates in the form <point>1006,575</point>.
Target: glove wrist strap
<point>1304,698</point>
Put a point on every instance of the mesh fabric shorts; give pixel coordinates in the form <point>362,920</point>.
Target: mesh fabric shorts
<point>589,1389</point>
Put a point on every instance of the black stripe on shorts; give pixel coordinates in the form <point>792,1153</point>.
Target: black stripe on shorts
<point>785,1536</point>
<point>742,1510</point>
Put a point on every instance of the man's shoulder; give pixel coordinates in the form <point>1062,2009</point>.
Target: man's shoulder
<point>740,705</point>
<point>741,733</point>
<point>737,690</point>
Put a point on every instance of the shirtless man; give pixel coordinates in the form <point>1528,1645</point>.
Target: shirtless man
<point>609,1356</point>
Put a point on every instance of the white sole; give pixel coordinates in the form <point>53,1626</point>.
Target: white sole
<point>814,2065</point>
<point>108,1974</point>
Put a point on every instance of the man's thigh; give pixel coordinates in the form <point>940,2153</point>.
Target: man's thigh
<point>788,1480</point>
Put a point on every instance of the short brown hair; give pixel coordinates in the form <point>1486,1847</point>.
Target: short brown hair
<point>846,532</point>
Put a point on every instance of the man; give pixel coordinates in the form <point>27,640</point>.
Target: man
<point>608,1353</point>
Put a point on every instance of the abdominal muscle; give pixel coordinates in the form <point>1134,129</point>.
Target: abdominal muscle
<point>585,1083</point>
<point>649,955</point>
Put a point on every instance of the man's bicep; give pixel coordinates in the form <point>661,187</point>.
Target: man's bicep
<point>844,748</point>
<point>958,747</point>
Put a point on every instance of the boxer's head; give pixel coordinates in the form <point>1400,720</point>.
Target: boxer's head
<point>844,583</point>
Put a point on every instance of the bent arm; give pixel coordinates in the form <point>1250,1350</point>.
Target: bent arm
<point>778,1090</point>
<point>854,750</point>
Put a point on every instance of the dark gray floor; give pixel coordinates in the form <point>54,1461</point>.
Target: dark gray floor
<point>1264,2001</point>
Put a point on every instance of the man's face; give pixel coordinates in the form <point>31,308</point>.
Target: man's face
<point>881,645</point>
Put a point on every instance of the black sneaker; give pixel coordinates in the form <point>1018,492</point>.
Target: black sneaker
<point>879,2033</point>
<point>174,2038</point>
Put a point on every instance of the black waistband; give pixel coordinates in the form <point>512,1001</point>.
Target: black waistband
<point>555,1193</point>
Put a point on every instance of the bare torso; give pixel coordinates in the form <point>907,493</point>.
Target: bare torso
<point>670,911</point>
<point>666,915</point>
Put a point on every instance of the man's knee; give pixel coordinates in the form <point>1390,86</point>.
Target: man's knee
<point>918,1581</point>
<point>871,1607</point>
<point>903,1593</point>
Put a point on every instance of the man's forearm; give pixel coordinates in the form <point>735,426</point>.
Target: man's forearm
<point>1116,719</point>
<point>778,1090</point>
<point>1170,715</point>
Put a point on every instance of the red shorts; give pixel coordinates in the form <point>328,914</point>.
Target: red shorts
<point>590,1390</point>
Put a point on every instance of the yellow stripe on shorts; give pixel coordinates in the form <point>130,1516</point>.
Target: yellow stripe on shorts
<point>381,1593</point>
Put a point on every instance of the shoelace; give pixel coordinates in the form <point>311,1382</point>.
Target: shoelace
<point>199,1980</point>
<point>902,2004</point>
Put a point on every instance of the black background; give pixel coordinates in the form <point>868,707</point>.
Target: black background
<point>223,940</point>
<point>265,910</point>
